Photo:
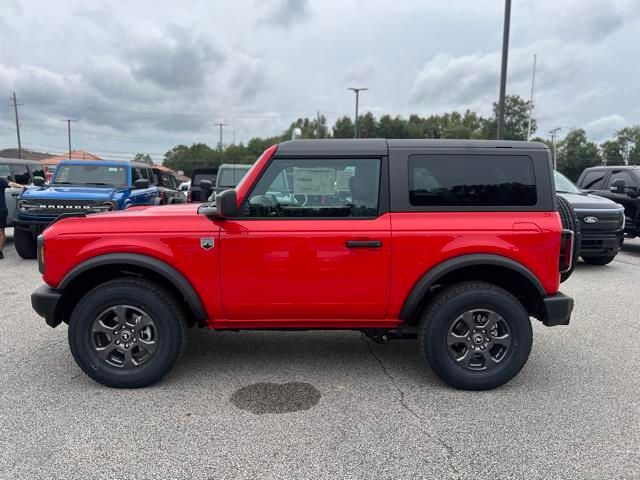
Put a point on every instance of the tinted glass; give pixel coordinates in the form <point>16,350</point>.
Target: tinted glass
<point>471,180</point>
<point>91,175</point>
<point>626,176</point>
<point>21,174</point>
<point>317,188</point>
<point>38,172</point>
<point>593,180</point>
<point>136,175</point>
<point>197,178</point>
<point>5,171</point>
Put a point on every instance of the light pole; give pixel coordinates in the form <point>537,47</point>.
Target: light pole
<point>554,144</point>
<point>357,91</point>
<point>503,71</point>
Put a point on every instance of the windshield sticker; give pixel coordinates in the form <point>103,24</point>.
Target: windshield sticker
<point>342,178</point>
<point>314,181</point>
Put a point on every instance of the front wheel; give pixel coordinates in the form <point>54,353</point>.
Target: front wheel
<point>475,336</point>
<point>127,333</point>
<point>26,243</point>
<point>602,260</point>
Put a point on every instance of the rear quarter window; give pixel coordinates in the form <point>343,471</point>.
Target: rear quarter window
<point>472,181</point>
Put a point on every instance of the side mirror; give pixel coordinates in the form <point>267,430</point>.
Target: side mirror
<point>38,181</point>
<point>227,204</point>
<point>205,190</point>
<point>141,184</point>
<point>617,186</point>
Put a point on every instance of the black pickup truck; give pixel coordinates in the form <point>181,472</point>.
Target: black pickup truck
<point>601,222</point>
<point>620,184</point>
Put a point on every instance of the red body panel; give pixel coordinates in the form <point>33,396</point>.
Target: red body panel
<point>299,273</point>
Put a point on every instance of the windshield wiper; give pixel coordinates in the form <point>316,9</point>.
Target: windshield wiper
<point>62,183</point>
<point>97,183</point>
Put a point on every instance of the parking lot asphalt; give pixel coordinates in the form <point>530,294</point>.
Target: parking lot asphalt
<point>328,404</point>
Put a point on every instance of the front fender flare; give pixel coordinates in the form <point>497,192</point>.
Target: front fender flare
<point>158,266</point>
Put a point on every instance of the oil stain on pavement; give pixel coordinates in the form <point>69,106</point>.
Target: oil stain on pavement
<point>261,398</point>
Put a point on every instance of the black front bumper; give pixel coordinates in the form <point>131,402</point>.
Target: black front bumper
<point>45,301</point>
<point>557,310</point>
<point>593,244</point>
<point>36,227</point>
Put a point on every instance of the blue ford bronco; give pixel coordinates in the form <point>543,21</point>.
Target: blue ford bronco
<point>81,187</point>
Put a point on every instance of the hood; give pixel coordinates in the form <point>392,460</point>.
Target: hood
<point>592,202</point>
<point>70,192</point>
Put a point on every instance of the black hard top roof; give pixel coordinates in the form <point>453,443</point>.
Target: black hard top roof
<point>380,146</point>
<point>19,161</point>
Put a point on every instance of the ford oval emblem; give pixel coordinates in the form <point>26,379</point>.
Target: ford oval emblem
<point>590,219</point>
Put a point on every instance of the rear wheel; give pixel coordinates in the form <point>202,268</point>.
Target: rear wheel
<point>26,243</point>
<point>475,336</point>
<point>127,333</point>
<point>569,222</point>
<point>603,260</point>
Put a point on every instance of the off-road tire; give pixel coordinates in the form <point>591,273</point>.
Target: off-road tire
<point>145,295</point>
<point>601,260</point>
<point>570,222</point>
<point>446,307</point>
<point>26,244</point>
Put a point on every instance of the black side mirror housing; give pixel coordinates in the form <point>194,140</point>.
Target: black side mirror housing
<point>617,186</point>
<point>205,190</point>
<point>227,204</point>
<point>141,184</point>
<point>38,181</point>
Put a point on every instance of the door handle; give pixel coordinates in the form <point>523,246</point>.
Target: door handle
<point>363,243</point>
<point>15,194</point>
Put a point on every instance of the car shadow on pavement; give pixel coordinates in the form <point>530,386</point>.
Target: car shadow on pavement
<point>283,355</point>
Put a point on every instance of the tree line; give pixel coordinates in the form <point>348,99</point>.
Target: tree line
<point>574,153</point>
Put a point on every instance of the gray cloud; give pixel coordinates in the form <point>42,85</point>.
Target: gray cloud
<point>285,13</point>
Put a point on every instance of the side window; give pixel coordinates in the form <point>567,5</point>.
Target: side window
<point>321,188</point>
<point>166,181</point>
<point>21,174</point>
<point>136,174</point>
<point>593,180</point>
<point>149,175</point>
<point>5,171</point>
<point>37,172</point>
<point>626,176</point>
<point>471,181</point>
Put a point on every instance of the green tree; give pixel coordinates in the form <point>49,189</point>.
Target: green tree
<point>629,140</point>
<point>516,120</point>
<point>367,125</point>
<point>343,128</point>
<point>575,153</point>
<point>612,152</point>
<point>392,127</point>
<point>143,157</point>
<point>186,158</point>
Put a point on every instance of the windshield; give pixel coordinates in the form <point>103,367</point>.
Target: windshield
<point>563,184</point>
<point>91,175</point>
<point>198,177</point>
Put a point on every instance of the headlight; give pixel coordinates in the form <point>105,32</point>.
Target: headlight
<point>624,221</point>
<point>23,205</point>
<point>109,206</point>
<point>40,244</point>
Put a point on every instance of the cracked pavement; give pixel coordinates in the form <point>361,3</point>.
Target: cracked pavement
<point>573,412</point>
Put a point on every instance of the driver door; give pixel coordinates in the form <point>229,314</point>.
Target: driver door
<point>312,246</point>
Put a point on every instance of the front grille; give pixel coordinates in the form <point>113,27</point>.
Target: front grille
<point>57,206</point>
<point>608,220</point>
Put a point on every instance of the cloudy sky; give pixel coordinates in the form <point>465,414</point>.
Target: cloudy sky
<point>142,76</point>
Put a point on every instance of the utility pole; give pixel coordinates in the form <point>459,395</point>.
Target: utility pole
<point>357,91</point>
<point>221,125</point>
<point>554,143</point>
<point>15,110</point>
<point>317,123</point>
<point>533,81</point>
<point>503,71</point>
<point>68,120</point>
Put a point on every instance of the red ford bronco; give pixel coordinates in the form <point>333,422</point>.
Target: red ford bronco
<point>455,243</point>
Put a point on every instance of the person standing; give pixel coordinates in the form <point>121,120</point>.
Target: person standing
<point>4,184</point>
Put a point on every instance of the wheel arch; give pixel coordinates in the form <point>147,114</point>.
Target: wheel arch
<point>103,268</point>
<point>496,269</point>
